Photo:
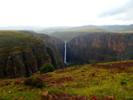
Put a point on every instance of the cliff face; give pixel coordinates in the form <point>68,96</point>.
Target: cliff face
<point>100,47</point>
<point>22,54</point>
<point>55,48</point>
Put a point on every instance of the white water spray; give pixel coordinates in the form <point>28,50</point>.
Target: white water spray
<point>65,52</point>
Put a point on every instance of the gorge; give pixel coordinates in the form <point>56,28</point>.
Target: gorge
<point>97,47</point>
<point>23,53</point>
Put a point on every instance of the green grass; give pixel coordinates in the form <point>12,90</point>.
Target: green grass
<point>18,92</point>
<point>15,42</point>
<point>84,80</point>
<point>102,83</point>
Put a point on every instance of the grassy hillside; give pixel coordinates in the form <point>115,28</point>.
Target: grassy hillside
<point>118,28</point>
<point>108,81</point>
<point>15,40</point>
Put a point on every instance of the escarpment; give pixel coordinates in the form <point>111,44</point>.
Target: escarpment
<point>100,47</point>
<point>54,47</point>
<point>22,54</point>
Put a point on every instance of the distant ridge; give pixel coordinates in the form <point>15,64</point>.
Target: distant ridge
<point>67,33</point>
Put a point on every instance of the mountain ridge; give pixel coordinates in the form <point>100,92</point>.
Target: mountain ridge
<point>67,33</point>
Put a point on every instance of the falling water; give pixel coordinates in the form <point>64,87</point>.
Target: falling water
<point>65,51</point>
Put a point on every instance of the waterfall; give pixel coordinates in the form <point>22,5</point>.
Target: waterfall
<point>65,52</point>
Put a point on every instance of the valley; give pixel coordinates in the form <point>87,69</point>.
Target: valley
<point>94,66</point>
<point>66,49</point>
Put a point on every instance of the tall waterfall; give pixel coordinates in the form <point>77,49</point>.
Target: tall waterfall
<point>65,52</point>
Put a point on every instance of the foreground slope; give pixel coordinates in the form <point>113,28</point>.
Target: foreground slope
<point>101,81</point>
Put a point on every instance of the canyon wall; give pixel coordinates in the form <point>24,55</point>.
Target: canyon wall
<point>22,54</point>
<point>95,47</point>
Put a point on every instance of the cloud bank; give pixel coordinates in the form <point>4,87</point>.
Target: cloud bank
<point>49,13</point>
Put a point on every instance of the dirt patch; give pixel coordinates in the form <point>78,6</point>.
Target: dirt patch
<point>117,67</point>
<point>49,80</point>
<point>61,96</point>
<point>59,82</point>
<point>53,81</point>
<point>5,83</point>
<point>121,65</point>
<point>46,77</point>
<point>64,79</point>
<point>67,70</point>
<point>19,81</point>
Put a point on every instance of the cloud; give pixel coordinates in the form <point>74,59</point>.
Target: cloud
<point>49,13</point>
<point>125,10</point>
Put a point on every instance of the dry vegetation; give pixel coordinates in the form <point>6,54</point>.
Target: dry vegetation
<point>102,81</point>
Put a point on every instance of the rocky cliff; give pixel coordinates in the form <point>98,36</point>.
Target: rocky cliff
<point>100,47</point>
<point>54,47</point>
<point>22,54</point>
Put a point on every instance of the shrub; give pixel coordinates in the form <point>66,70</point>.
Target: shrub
<point>47,68</point>
<point>129,98</point>
<point>93,62</point>
<point>34,82</point>
<point>3,98</point>
<point>123,82</point>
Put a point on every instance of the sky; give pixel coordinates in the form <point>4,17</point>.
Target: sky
<point>52,13</point>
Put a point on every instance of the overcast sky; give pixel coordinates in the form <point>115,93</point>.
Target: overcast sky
<point>50,13</point>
